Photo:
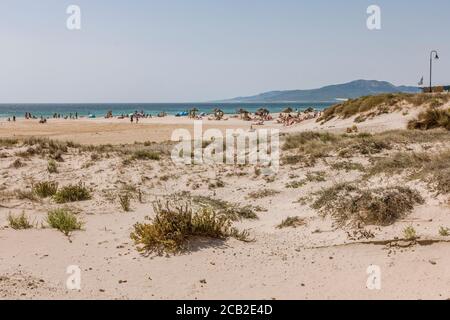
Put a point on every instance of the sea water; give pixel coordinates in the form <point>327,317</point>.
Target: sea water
<point>100,109</point>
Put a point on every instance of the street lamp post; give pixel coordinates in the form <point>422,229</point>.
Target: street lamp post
<point>431,66</point>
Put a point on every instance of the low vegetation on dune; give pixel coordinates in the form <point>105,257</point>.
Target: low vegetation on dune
<point>125,201</point>
<point>431,118</point>
<point>25,195</point>
<point>292,222</point>
<point>433,169</point>
<point>72,193</point>
<point>347,204</point>
<point>306,148</point>
<point>52,167</point>
<point>17,164</point>
<point>370,106</point>
<point>232,211</point>
<point>176,225</point>
<point>409,233</point>
<point>262,193</point>
<point>8,142</point>
<point>145,155</point>
<point>19,222</point>
<point>347,166</point>
<point>55,149</point>
<point>64,220</point>
<point>45,189</point>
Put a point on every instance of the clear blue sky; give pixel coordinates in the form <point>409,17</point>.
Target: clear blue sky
<point>199,50</point>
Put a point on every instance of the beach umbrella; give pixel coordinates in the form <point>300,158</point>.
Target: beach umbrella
<point>288,110</point>
<point>262,112</point>
<point>218,113</point>
<point>193,112</point>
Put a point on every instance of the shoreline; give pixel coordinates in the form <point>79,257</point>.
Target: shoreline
<point>99,131</point>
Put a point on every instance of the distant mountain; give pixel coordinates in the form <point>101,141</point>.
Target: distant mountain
<point>354,89</point>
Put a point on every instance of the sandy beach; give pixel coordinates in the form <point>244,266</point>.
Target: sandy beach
<point>318,259</point>
<point>121,131</point>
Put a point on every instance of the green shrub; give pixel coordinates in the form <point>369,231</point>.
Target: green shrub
<point>410,233</point>
<point>52,167</point>
<point>45,189</point>
<point>176,225</point>
<point>444,232</point>
<point>72,193</point>
<point>19,222</point>
<point>63,220</point>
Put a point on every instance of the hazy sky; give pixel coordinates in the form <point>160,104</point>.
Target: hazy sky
<point>199,50</point>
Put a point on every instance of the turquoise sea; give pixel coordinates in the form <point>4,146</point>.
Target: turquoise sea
<point>100,109</point>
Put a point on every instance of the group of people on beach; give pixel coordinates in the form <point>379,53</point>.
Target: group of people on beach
<point>288,117</point>
<point>70,116</point>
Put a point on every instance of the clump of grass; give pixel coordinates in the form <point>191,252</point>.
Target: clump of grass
<point>432,118</point>
<point>444,232</point>
<point>125,202</point>
<point>54,149</point>
<point>63,220</point>
<point>218,183</point>
<point>263,193</point>
<point>291,222</point>
<point>347,166</point>
<point>176,225</point>
<point>72,193</point>
<point>52,167</point>
<point>25,195</point>
<point>232,211</point>
<point>29,152</point>
<point>8,142</point>
<point>145,155</point>
<point>317,176</point>
<point>17,164</point>
<point>348,204</point>
<point>45,189</point>
<point>410,233</point>
<point>19,222</point>
<point>296,184</point>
